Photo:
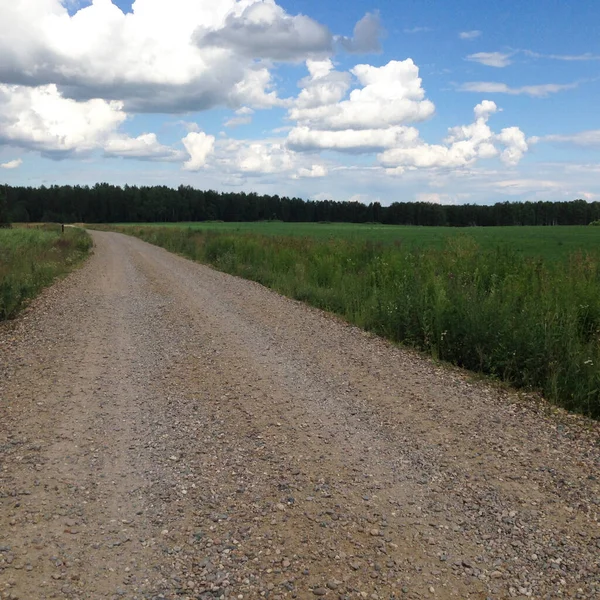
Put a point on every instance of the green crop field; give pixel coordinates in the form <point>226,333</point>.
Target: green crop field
<point>519,304</point>
<point>32,257</point>
<point>549,242</point>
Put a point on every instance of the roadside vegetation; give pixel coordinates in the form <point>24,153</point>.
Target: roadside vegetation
<point>32,257</point>
<point>526,320</point>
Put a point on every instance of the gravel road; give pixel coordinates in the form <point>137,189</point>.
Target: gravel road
<point>168,431</point>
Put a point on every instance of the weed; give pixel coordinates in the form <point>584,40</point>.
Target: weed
<point>31,258</point>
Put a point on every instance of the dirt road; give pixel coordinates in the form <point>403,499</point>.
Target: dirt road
<point>168,431</point>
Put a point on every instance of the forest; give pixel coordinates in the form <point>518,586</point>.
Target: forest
<point>105,203</point>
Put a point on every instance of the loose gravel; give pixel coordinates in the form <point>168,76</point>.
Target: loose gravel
<point>171,432</point>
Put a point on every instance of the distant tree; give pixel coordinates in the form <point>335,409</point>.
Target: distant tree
<point>4,220</point>
<point>595,223</point>
<point>18,214</point>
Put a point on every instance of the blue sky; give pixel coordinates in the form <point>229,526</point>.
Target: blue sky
<point>447,102</point>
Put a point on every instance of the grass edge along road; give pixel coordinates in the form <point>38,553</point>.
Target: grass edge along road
<point>530,322</point>
<point>31,258</point>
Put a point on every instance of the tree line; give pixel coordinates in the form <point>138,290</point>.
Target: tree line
<point>105,203</point>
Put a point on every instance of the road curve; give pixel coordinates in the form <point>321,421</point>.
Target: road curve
<point>168,431</point>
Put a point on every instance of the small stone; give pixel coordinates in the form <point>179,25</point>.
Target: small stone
<point>319,591</point>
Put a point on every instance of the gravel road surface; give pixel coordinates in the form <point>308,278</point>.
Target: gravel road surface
<point>172,432</point>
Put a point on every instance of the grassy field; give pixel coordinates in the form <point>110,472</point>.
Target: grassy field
<point>475,299</point>
<point>32,257</point>
<point>550,242</point>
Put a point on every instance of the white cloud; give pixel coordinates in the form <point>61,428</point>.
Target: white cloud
<point>262,29</point>
<point>145,146</point>
<point>254,90</point>
<point>41,119</point>
<point>590,138</point>
<point>257,157</point>
<point>536,91</point>
<point>390,95</point>
<point>469,35</point>
<point>323,87</point>
<point>371,120</point>
<point>350,140</point>
<point>515,145</point>
<point>485,109</point>
<point>199,146</point>
<point>312,173</point>
<point>12,164</point>
<point>146,58</point>
<point>367,35</point>
<point>463,146</point>
<point>492,59</point>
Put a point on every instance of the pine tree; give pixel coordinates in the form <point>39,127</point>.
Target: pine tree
<point>4,220</point>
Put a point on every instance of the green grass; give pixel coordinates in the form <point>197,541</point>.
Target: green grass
<point>553,243</point>
<point>31,258</point>
<point>530,320</point>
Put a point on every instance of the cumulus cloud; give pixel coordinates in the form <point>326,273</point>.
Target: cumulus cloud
<point>492,59</point>
<point>367,36</point>
<point>324,87</point>
<point>199,146</point>
<point>390,95</point>
<point>146,58</point>
<point>469,35</point>
<point>259,157</point>
<point>485,109</point>
<point>463,146</point>
<point>515,145</point>
<point>370,118</point>
<point>350,140</point>
<point>536,91</point>
<point>264,30</point>
<point>314,172</point>
<point>41,119</point>
<point>145,146</point>
<point>12,164</point>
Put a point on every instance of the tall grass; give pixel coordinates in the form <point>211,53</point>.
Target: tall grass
<point>528,321</point>
<point>31,258</point>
